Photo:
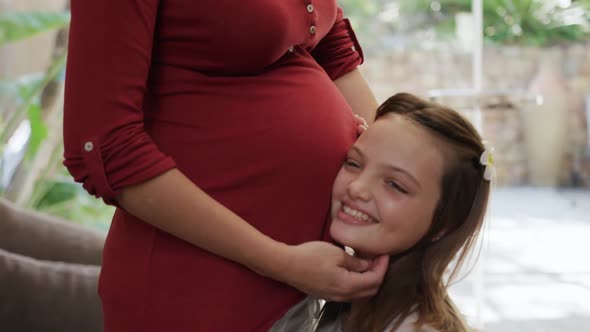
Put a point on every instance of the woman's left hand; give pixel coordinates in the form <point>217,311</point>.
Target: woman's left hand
<point>325,271</point>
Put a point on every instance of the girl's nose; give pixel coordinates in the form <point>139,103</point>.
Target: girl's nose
<point>359,189</point>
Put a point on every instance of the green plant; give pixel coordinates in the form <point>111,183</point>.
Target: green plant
<point>524,22</point>
<point>25,91</point>
<point>41,182</point>
<point>360,12</point>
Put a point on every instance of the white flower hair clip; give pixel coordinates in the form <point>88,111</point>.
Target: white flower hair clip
<point>487,160</point>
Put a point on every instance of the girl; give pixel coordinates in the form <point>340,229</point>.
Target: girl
<point>414,186</point>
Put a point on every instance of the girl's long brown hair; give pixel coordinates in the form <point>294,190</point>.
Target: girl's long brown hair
<point>414,280</point>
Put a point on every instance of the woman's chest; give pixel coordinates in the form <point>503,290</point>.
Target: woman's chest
<point>238,35</point>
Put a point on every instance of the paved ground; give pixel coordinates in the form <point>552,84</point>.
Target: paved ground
<point>534,270</point>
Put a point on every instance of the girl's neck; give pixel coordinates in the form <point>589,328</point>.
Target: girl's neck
<point>355,305</point>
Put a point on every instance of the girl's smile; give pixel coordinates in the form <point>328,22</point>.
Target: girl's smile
<point>353,215</point>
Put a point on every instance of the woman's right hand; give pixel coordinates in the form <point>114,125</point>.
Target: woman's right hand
<point>325,271</point>
<point>361,124</point>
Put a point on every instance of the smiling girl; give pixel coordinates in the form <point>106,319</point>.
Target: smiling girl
<point>414,186</point>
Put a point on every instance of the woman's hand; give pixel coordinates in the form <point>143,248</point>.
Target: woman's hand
<point>361,124</point>
<point>327,272</point>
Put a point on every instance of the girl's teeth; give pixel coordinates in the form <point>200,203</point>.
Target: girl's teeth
<point>357,214</point>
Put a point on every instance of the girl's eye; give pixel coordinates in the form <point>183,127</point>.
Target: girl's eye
<point>396,186</point>
<point>351,163</point>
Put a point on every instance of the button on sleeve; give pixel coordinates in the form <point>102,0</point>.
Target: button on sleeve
<point>88,146</point>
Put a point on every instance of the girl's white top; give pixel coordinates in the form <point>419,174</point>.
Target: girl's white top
<point>301,318</point>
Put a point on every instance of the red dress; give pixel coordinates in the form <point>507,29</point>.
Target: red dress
<point>239,96</point>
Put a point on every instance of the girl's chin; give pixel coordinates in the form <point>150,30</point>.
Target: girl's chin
<point>351,240</point>
<point>342,239</point>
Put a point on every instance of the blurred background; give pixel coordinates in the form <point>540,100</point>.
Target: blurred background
<point>519,69</point>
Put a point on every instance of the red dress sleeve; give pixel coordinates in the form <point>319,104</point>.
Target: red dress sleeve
<point>110,47</point>
<point>339,52</point>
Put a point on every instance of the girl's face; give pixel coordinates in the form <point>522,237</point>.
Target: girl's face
<point>384,196</point>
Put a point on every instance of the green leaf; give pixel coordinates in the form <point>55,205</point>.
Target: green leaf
<point>57,192</point>
<point>66,199</point>
<point>38,129</point>
<point>16,26</point>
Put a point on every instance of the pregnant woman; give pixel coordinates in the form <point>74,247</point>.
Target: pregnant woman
<point>217,128</point>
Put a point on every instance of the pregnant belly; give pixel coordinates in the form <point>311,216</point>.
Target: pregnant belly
<point>267,147</point>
